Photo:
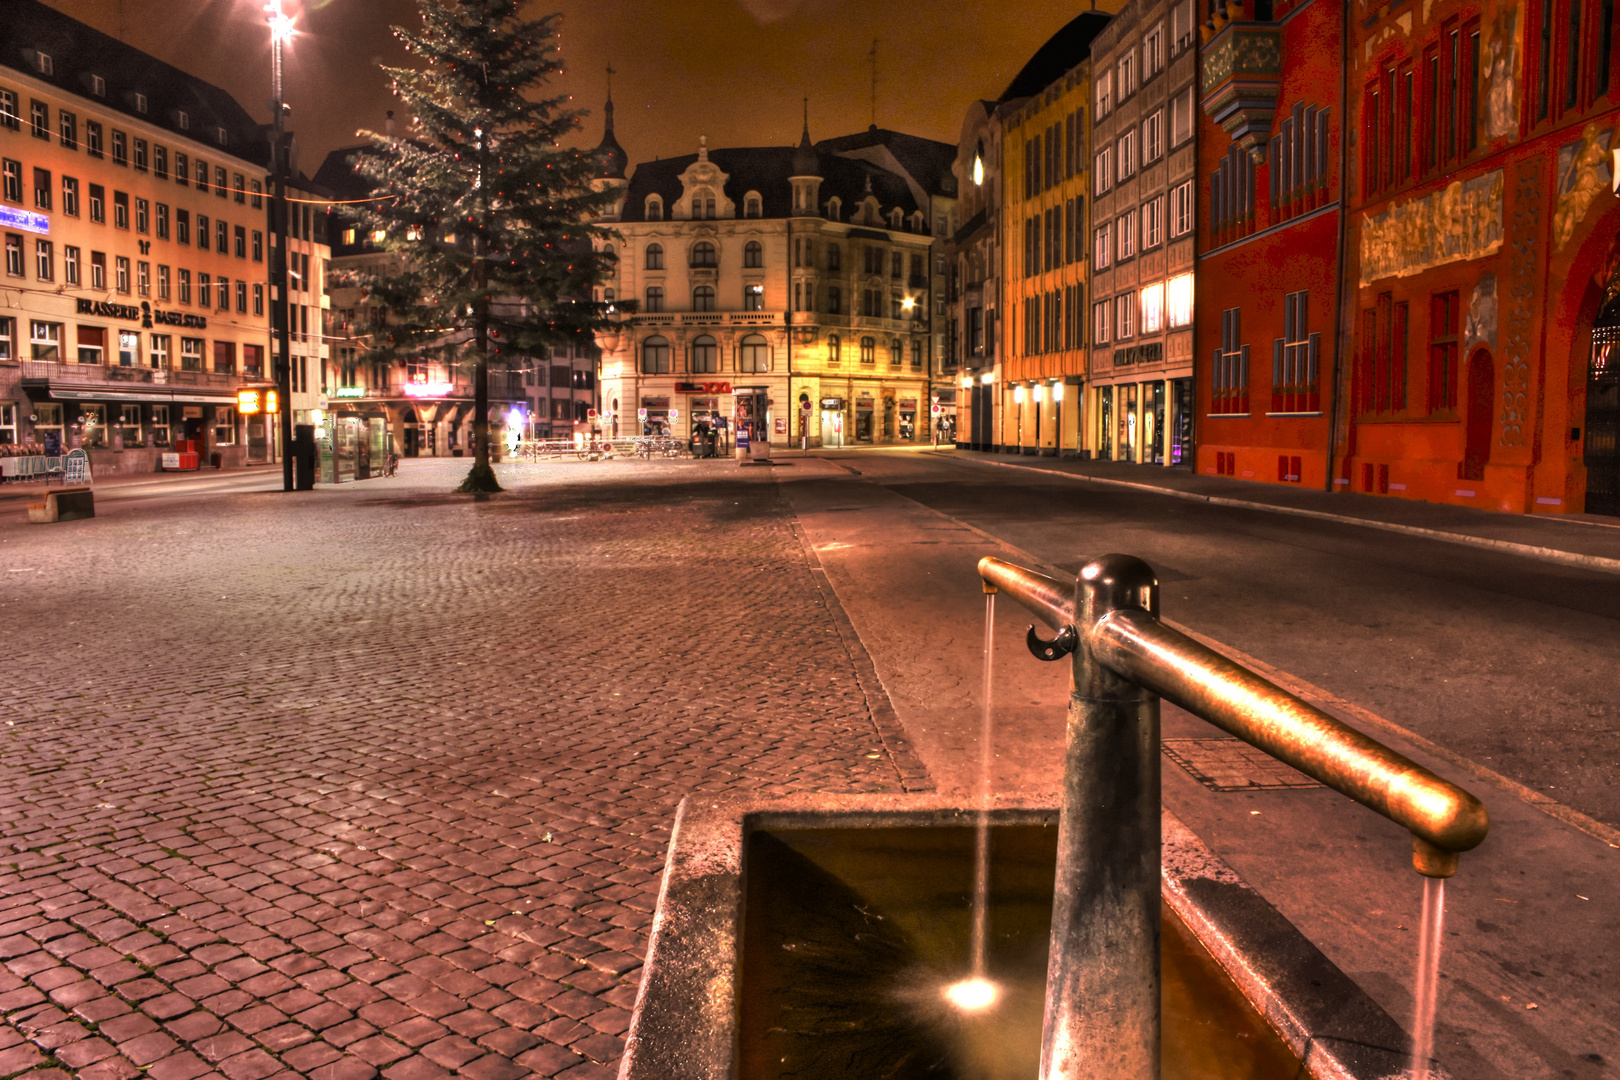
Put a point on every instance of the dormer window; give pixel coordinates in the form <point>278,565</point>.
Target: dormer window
<point>220,136</point>
<point>140,103</point>
<point>835,209</point>
<point>45,64</point>
<point>752,206</point>
<point>98,85</point>
<point>182,120</point>
<point>895,218</point>
<point>655,208</point>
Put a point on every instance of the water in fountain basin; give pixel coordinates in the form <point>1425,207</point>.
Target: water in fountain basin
<point>1428,976</point>
<point>981,839</point>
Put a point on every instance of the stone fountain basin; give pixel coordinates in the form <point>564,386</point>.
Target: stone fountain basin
<point>810,935</point>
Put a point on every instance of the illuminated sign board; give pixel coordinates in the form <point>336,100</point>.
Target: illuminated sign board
<point>349,391</point>
<point>25,220</point>
<point>272,401</point>
<point>146,315</point>
<point>247,402</point>
<point>429,389</point>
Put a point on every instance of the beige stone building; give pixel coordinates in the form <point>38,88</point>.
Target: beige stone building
<point>1140,393</point>
<point>133,303</point>
<point>788,293</point>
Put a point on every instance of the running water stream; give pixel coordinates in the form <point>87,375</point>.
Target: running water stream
<point>1428,976</point>
<point>981,840</point>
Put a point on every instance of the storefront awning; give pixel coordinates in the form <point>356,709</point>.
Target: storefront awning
<point>196,395</point>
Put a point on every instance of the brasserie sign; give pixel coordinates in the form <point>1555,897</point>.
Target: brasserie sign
<point>146,315</point>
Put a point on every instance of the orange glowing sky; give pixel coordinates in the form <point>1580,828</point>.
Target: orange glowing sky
<point>735,70</point>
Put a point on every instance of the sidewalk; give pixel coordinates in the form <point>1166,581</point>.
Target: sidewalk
<point>32,491</point>
<point>1575,539</point>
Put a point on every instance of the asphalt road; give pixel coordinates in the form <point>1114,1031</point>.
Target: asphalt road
<point>1510,661</point>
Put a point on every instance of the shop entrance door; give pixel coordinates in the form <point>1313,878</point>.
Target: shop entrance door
<point>1601,439</point>
<point>832,429</point>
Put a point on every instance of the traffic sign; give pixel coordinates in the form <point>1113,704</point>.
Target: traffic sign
<point>938,410</point>
<point>674,414</point>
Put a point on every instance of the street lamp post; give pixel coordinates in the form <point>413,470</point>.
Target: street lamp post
<point>281,30</point>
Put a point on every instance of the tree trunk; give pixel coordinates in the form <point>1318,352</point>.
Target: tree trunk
<point>481,478</point>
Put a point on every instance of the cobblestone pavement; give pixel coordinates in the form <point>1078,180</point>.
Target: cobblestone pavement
<point>378,780</point>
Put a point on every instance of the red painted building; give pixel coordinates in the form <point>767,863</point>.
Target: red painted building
<point>1270,246</point>
<point>1483,251</point>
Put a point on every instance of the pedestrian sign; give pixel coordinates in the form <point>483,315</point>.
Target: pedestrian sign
<point>641,414</point>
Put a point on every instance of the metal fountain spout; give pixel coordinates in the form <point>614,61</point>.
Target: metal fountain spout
<point>1102,990</point>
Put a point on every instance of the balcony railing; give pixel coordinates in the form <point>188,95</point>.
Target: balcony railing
<point>43,371</point>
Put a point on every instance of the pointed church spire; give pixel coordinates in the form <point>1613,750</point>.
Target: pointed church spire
<point>614,159</point>
<point>806,162</point>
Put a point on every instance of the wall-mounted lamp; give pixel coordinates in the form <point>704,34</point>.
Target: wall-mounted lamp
<point>1040,393</point>
<point>1057,391</point>
<point>987,378</point>
<point>1018,395</point>
<point>967,382</point>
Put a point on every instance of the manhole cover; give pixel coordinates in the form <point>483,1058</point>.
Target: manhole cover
<point>1233,765</point>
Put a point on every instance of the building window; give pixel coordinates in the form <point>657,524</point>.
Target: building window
<point>98,271</point>
<point>1153,309</point>
<point>202,236</point>
<point>120,148</point>
<point>754,355</point>
<point>1102,321</point>
<point>182,120</point>
<point>158,354</point>
<point>257,197</point>
<point>1105,93</point>
<point>835,349</point>
<point>1179,301</point>
<point>655,299</point>
<point>160,419</point>
<point>42,189</point>
<point>704,254</point>
<point>143,216</point>
<point>705,356</point>
<point>868,350</point>
<point>8,417</point>
<point>1124,317</point>
<point>1125,236</point>
<point>753,255</point>
<point>1153,223</point>
<point>92,138</point>
<point>182,226</point>
<point>9,117</point>
<point>205,290</point>
<point>1443,312</point>
<point>1181,208</point>
<point>655,257</point>
<point>184,295</point>
<point>1128,151</point>
<point>1153,136</point>
<point>14,255</point>
<point>160,163</point>
<point>67,129</point>
<point>70,264</point>
<point>222,238</point>
<point>1229,382</point>
<point>163,282</point>
<point>916,352</point>
<point>129,348</point>
<point>751,206</point>
<point>220,188</point>
<point>239,187</point>
<point>45,340</point>
<point>1153,52</point>
<point>191,354</point>
<point>258,246</point>
<point>182,170</point>
<point>93,419</point>
<point>655,208</point>
<point>120,210</point>
<point>202,175</point>
<point>754,298</point>
<point>703,298</point>
<point>129,424</point>
<point>225,357</point>
<point>835,300</point>
<point>40,116</point>
<point>140,103</point>
<point>655,356</point>
<point>258,299</point>
<point>241,296</point>
<point>1127,74</point>
<point>162,221</point>
<point>897,354</point>
<point>11,186</point>
<point>44,261</point>
<point>1102,172</point>
<point>1294,358</point>
<point>1103,246</point>
<point>121,274</point>
<point>140,154</point>
<point>224,426</point>
<point>1231,187</point>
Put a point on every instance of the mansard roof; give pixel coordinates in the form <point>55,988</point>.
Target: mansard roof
<point>78,51</point>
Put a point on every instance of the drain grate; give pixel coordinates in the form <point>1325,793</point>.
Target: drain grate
<point>1233,765</point>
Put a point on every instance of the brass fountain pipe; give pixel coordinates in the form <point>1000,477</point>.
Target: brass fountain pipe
<point>1444,819</point>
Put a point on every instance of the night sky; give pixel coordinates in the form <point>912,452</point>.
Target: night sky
<point>735,70</point>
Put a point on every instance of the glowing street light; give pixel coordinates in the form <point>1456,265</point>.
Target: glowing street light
<point>282,25</point>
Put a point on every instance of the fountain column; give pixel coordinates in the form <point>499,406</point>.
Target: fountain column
<point>1102,990</point>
